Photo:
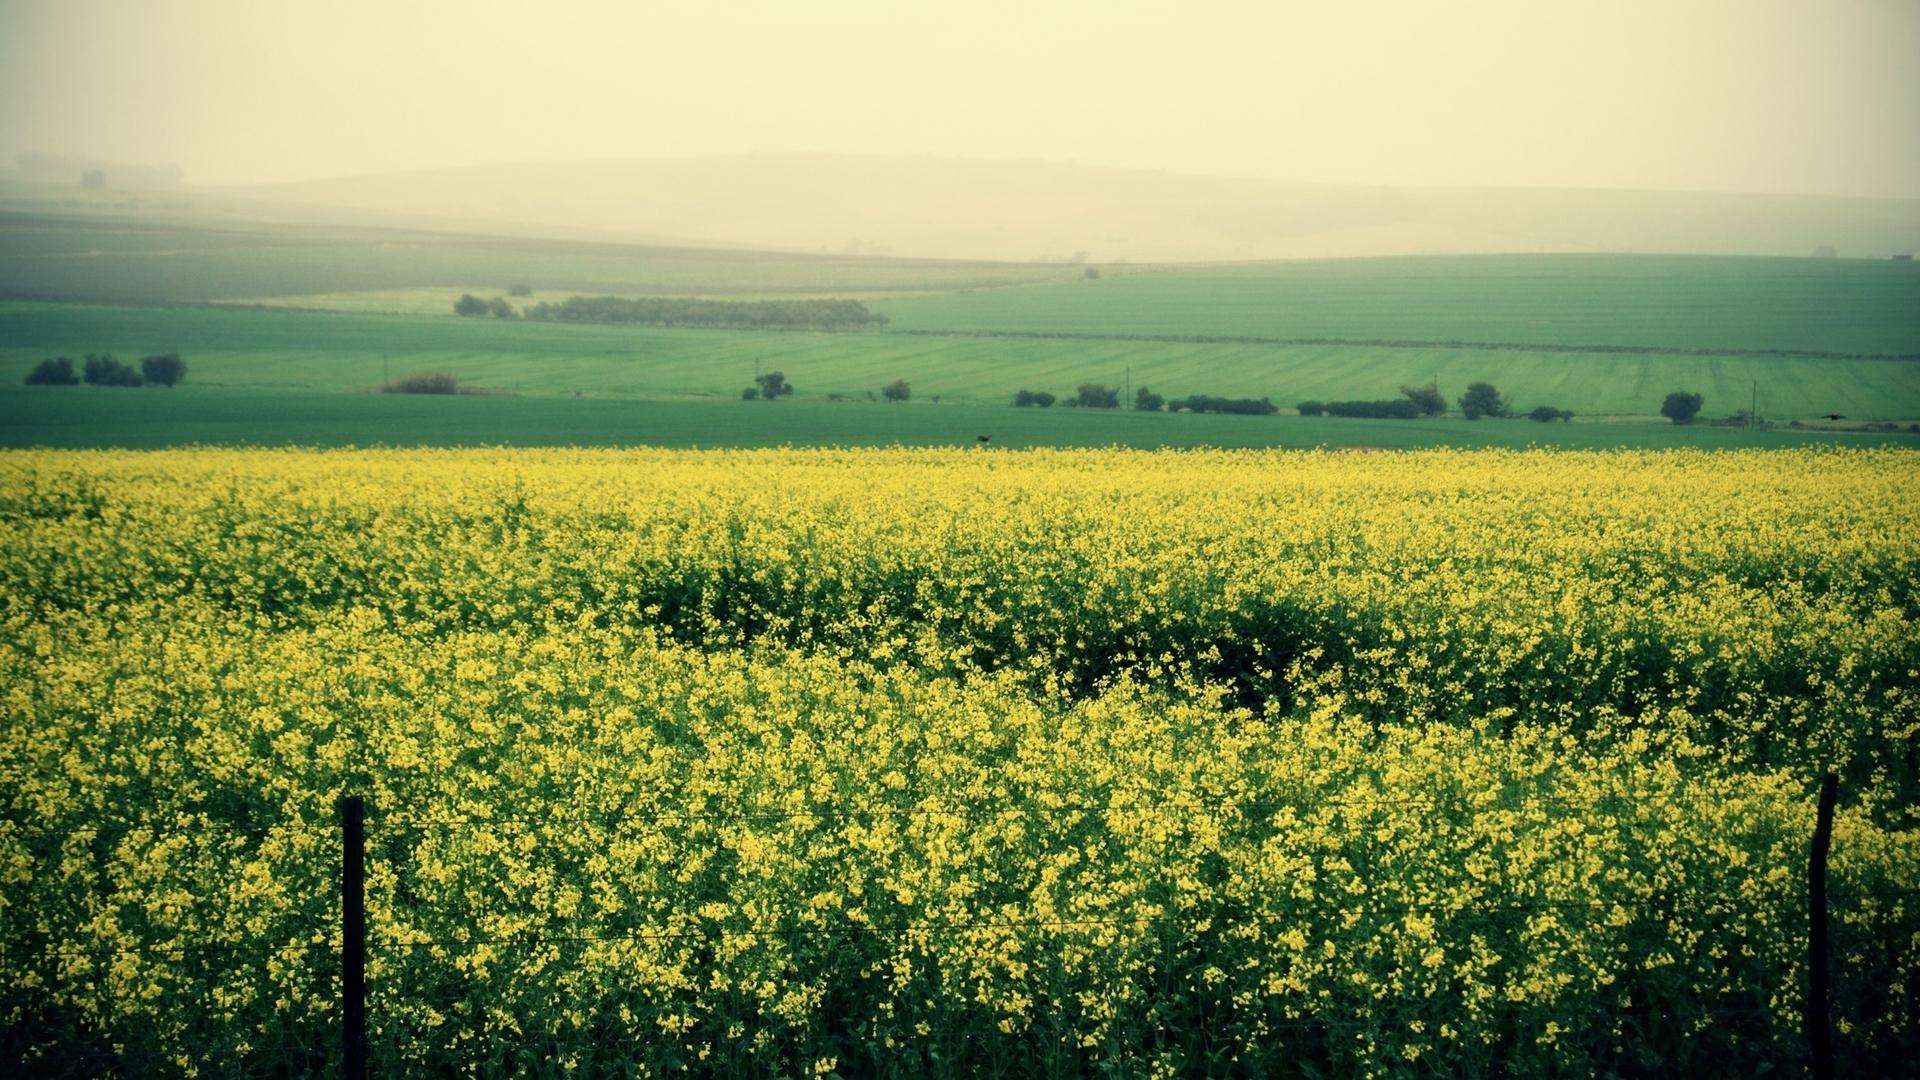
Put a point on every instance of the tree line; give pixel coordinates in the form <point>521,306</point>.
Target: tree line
<point>102,369</point>
<point>683,311</point>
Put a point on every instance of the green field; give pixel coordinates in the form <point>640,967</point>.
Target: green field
<point>1675,302</point>
<point>358,352</point>
<point>267,416</point>
<point>317,310</point>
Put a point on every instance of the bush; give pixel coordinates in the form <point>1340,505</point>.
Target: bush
<point>519,290</point>
<point>55,372</point>
<point>1392,409</point>
<point>469,305</point>
<point>1547,414</point>
<point>424,382</point>
<point>106,371</point>
<point>1146,400</point>
<point>1034,399</point>
<point>499,308</point>
<point>1682,406</point>
<point>1096,396</point>
<point>751,393</point>
<point>773,385</point>
<point>1311,408</point>
<point>1206,403</point>
<point>165,369</point>
<point>1427,399</point>
<point>897,390</point>
<point>1091,273</point>
<point>1481,399</point>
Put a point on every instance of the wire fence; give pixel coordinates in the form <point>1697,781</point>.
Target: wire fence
<point>352,943</point>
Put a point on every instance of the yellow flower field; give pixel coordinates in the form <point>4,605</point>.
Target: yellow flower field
<point>957,761</point>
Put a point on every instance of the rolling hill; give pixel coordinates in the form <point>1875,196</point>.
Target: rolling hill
<point>1029,210</point>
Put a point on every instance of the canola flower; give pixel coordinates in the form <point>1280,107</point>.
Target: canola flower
<point>785,762</point>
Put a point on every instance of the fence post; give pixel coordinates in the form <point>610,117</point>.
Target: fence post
<point>1819,984</point>
<point>353,937</point>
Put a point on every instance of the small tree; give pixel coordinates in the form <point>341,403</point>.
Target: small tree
<point>1547,414</point>
<point>499,308</point>
<point>751,393</point>
<point>1091,273</point>
<point>1311,408</point>
<point>897,390</point>
<point>1146,400</point>
<point>1096,396</point>
<point>469,305</point>
<point>773,385</point>
<point>55,372</point>
<point>166,369</point>
<point>1481,399</point>
<point>104,370</point>
<point>1682,406</point>
<point>1427,399</point>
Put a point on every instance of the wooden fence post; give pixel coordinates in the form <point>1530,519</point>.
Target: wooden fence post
<point>1819,979</point>
<point>353,937</point>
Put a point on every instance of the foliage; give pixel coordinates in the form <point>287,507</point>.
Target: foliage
<point>470,305</point>
<point>1681,406</point>
<point>1391,409</point>
<point>55,371</point>
<point>104,370</point>
<point>163,369</point>
<point>1548,413</point>
<point>424,382</point>
<point>1096,396</point>
<point>1031,398</point>
<point>1206,403</point>
<point>1145,400</point>
<point>1426,398</point>
<point>897,390</point>
<point>773,384</point>
<point>957,762</point>
<point>683,311</point>
<point>1311,408</point>
<point>1482,399</point>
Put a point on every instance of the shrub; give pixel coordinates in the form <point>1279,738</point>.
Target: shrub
<point>499,308</point>
<point>1091,273</point>
<point>1427,399</point>
<point>424,382</point>
<point>55,372</point>
<point>1547,414</point>
<point>1311,408</point>
<point>165,369</point>
<point>1682,406</point>
<point>469,305</point>
<point>1481,399</point>
<point>1146,400</point>
<point>773,384</point>
<point>1206,403</point>
<point>897,390</point>
<point>519,290</point>
<point>1391,409</point>
<point>104,370</point>
<point>751,393</point>
<point>1035,399</point>
<point>1096,396</point>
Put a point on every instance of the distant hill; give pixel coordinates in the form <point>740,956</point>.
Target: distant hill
<point>1023,210</point>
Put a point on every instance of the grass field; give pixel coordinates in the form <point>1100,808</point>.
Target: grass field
<point>313,351</point>
<point>1656,301</point>
<point>278,416</point>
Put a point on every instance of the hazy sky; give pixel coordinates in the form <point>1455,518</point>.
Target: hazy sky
<point>1754,95</point>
